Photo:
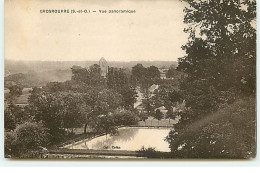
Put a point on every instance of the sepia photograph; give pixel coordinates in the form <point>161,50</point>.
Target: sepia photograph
<point>136,80</point>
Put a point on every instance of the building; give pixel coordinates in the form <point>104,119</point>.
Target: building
<point>163,72</point>
<point>103,66</point>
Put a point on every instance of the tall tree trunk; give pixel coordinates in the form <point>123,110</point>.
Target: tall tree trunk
<point>85,128</point>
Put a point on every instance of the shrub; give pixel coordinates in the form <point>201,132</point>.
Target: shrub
<point>25,140</point>
<point>31,135</point>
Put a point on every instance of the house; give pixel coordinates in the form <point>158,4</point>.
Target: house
<point>163,72</point>
<point>162,109</point>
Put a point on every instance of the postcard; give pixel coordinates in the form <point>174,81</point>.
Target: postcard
<point>130,79</point>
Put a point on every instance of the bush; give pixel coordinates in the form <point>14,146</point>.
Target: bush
<point>226,133</point>
<point>125,117</point>
<point>10,144</point>
<point>9,121</point>
<point>25,140</point>
<point>152,153</point>
<point>31,135</point>
<point>148,152</point>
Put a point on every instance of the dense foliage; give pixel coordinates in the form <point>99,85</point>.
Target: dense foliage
<point>14,92</point>
<point>220,65</point>
<point>87,100</point>
<point>221,53</point>
<point>212,89</point>
<point>25,139</point>
<point>145,77</point>
<point>226,133</point>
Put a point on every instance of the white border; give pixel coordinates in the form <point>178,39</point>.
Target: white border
<point>72,163</point>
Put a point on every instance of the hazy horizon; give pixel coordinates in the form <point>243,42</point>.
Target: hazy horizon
<point>25,66</point>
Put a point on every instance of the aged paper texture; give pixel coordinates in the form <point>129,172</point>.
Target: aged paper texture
<point>130,79</point>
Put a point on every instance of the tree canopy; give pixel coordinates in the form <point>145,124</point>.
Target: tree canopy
<point>220,64</point>
<point>221,51</point>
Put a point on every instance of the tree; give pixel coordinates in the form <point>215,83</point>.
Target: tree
<point>89,117</point>
<point>31,135</point>
<point>105,123</point>
<point>145,77</point>
<point>116,78</point>
<point>10,146</point>
<point>14,92</point>
<point>158,115</point>
<point>148,101</point>
<point>95,78</point>
<point>170,114</point>
<point>153,72</point>
<point>227,133</point>
<point>138,72</point>
<point>173,73</point>
<point>125,117</point>
<point>55,87</point>
<point>222,57</point>
<point>90,98</point>
<point>118,81</point>
<point>107,102</point>
<point>9,120</point>
<point>73,111</point>
<point>129,97</point>
<point>25,139</point>
<point>167,95</point>
<point>220,65</point>
<point>143,116</point>
<point>14,115</point>
<point>85,98</point>
<point>91,76</point>
<point>48,108</point>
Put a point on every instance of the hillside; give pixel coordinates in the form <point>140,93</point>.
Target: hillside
<point>36,79</point>
<point>227,133</point>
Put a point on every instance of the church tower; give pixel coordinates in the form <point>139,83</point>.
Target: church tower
<point>103,66</point>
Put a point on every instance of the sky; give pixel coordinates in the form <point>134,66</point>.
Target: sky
<point>154,32</point>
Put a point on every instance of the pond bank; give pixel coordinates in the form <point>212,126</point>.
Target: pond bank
<point>126,144</point>
<point>92,136</point>
<point>127,138</point>
<point>85,153</point>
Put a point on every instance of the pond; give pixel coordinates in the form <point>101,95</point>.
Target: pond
<point>128,138</point>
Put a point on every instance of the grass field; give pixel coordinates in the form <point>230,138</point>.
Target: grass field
<point>23,99</point>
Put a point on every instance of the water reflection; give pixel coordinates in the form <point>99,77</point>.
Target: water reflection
<point>126,134</point>
<point>128,139</point>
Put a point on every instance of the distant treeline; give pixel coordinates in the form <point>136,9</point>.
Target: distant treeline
<point>37,79</point>
<point>12,67</point>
